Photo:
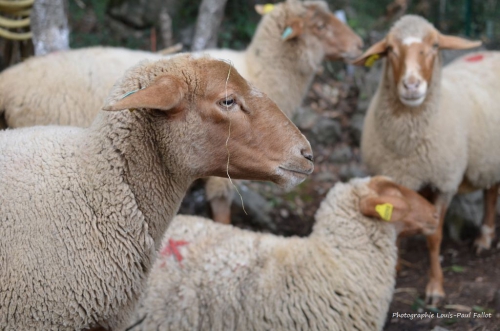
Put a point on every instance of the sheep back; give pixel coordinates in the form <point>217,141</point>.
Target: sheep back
<point>64,88</point>
<point>211,276</point>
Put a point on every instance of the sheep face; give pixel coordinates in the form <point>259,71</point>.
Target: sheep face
<point>218,123</point>
<point>406,209</point>
<point>412,50</point>
<point>263,142</point>
<point>313,22</point>
<point>337,39</point>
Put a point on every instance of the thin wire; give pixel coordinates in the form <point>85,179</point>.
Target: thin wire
<point>227,141</point>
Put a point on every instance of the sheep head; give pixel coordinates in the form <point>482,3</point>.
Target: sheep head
<point>314,23</point>
<point>405,208</point>
<point>412,49</point>
<point>202,112</point>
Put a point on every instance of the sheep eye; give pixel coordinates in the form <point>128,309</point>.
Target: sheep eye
<point>226,103</point>
<point>435,46</point>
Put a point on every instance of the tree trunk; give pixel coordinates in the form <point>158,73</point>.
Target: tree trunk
<point>49,25</point>
<point>207,26</point>
<point>165,26</point>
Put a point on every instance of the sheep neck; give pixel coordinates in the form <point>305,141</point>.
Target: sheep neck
<point>408,126</point>
<point>157,186</point>
<point>282,69</point>
<point>339,224</point>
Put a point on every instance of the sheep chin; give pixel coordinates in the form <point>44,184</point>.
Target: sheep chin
<point>288,179</point>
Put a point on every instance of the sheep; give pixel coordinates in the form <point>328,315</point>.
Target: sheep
<point>432,129</point>
<point>288,48</point>
<point>63,88</point>
<point>280,65</point>
<point>83,211</point>
<point>289,45</point>
<point>211,276</point>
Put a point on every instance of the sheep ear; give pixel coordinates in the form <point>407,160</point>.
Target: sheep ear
<point>386,207</point>
<point>451,42</point>
<point>372,54</point>
<point>164,94</point>
<point>264,9</point>
<point>293,29</point>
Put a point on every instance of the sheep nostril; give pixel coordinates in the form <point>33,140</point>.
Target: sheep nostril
<point>411,85</point>
<point>308,156</point>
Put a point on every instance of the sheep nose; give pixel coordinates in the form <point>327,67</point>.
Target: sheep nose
<point>411,84</point>
<point>307,155</point>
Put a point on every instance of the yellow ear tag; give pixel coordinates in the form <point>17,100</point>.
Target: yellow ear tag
<point>268,7</point>
<point>371,60</point>
<point>385,211</point>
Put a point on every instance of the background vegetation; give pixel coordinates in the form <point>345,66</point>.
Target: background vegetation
<point>133,23</point>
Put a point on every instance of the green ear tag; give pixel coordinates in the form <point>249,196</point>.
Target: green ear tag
<point>371,60</point>
<point>288,31</point>
<point>128,93</point>
<point>385,211</point>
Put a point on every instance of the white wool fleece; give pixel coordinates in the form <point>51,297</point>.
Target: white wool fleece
<point>211,276</point>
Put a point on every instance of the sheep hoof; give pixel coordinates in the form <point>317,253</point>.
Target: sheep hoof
<point>434,293</point>
<point>482,243</point>
<point>484,239</point>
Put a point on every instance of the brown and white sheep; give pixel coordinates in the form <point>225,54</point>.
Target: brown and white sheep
<point>341,277</point>
<point>83,211</point>
<point>434,127</point>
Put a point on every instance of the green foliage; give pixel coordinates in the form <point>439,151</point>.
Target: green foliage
<point>473,18</point>
<point>362,15</point>
<point>450,321</point>
<point>186,14</point>
<point>239,24</point>
<point>99,33</point>
<point>479,309</point>
<point>455,268</point>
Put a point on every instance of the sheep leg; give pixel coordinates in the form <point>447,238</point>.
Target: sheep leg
<point>219,193</point>
<point>3,123</point>
<point>483,241</point>
<point>221,209</point>
<point>434,290</point>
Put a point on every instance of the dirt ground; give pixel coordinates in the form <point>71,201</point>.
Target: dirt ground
<point>472,284</point>
<point>331,122</point>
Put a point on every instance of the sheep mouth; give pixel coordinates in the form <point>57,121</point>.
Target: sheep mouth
<point>412,100</point>
<point>289,177</point>
<point>299,171</point>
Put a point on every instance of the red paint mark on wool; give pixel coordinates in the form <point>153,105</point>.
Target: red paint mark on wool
<point>475,58</point>
<point>172,248</point>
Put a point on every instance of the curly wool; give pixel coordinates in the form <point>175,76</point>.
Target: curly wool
<point>63,88</point>
<point>82,211</point>
<point>339,278</point>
